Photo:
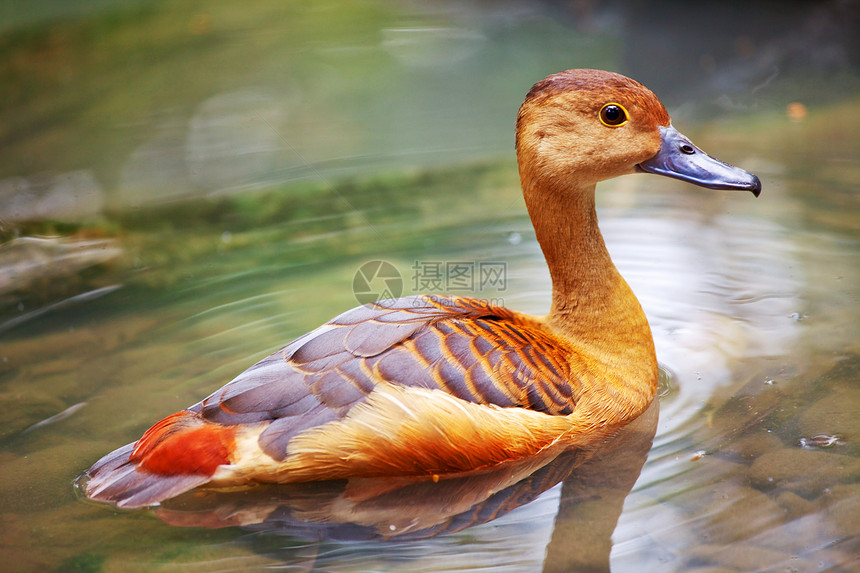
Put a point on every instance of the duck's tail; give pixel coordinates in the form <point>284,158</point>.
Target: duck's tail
<point>175,455</point>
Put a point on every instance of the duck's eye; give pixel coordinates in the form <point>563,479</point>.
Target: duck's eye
<point>613,115</point>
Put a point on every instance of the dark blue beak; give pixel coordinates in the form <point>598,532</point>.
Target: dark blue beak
<point>679,158</point>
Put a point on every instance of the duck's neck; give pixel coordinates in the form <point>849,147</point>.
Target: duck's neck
<point>592,305</point>
<point>587,289</point>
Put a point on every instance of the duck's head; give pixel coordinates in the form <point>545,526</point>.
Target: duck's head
<point>579,127</point>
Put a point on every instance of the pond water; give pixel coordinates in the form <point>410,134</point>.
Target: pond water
<point>157,241</point>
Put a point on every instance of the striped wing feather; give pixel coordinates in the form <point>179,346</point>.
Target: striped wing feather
<point>479,353</point>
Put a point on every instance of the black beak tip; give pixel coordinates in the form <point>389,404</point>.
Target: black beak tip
<point>755,186</point>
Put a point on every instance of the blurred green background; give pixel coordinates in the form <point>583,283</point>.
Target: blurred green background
<point>126,102</point>
<point>124,115</point>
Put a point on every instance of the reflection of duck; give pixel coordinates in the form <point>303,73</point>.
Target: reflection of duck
<point>376,508</point>
<point>595,482</point>
<point>443,385</point>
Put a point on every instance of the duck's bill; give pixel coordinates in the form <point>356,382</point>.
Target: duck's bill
<point>679,158</point>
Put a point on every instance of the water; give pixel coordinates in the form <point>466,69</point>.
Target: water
<point>121,303</point>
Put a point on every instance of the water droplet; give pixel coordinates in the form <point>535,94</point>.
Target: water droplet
<point>515,238</point>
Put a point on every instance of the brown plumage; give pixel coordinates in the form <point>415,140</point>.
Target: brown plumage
<point>441,385</point>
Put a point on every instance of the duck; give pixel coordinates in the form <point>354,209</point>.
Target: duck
<point>434,386</point>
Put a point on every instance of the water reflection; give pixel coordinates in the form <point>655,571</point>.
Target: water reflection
<point>594,486</point>
<point>35,271</point>
<point>431,46</point>
<point>71,196</point>
<point>758,500</point>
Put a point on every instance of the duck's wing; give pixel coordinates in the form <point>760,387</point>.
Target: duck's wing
<point>412,385</point>
<point>467,348</point>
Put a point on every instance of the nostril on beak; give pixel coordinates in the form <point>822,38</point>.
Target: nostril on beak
<point>687,149</point>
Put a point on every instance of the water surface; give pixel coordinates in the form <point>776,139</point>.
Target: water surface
<point>153,254</point>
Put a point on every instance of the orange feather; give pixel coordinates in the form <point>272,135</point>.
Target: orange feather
<point>183,443</point>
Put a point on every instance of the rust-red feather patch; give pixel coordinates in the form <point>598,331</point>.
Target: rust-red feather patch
<point>184,444</point>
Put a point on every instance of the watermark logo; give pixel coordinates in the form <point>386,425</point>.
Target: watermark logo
<point>375,281</point>
<point>459,276</point>
<point>378,280</point>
